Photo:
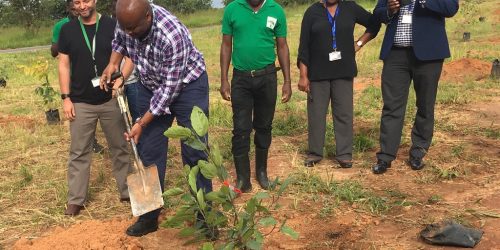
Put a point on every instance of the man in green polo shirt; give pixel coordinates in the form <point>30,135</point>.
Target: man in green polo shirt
<point>252,29</point>
<point>54,50</point>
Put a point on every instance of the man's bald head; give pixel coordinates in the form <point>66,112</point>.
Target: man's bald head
<point>134,17</point>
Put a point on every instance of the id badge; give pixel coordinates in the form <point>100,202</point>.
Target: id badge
<point>96,81</point>
<point>406,19</point>
<point>334,56</point>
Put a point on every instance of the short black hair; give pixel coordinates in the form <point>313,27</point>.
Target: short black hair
<point>69,1</point>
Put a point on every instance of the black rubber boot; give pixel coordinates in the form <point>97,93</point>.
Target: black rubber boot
<point>242,165</point>
<point>261,167</point>
<point>142,227</point>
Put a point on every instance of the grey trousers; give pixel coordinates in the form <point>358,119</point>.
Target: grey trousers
<point>339,94</point>
<point>82,131</point>
<point>400,68</point>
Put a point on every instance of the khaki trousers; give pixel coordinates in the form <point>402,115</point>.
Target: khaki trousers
<point>82,131</point>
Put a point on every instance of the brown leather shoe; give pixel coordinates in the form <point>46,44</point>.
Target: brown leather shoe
<point>73,210</point>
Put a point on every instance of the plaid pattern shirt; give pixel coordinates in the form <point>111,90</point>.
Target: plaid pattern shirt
<point>166,60</point>
<point>403,37</point>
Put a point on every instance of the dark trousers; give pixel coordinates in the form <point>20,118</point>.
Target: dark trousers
<point>153,145</point>
<point>131,94</point>
<point>400,68</point>
<point>338,93</point>
<point>252,97</point>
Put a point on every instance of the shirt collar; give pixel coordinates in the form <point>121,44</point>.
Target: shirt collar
<point>267,3</point>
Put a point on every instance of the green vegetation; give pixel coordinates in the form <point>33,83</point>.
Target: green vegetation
<point>34,158</point>
<point>236,225</point>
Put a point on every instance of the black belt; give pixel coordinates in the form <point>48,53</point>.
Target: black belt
<point>256,73</point>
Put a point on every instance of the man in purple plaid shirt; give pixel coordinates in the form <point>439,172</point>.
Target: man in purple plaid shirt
<point>173,77</point>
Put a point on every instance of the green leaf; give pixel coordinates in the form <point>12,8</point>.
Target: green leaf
<point>215,196</point>
<point>284,185</point>
<point>262,209</point>
<point>207,169</point>
<point>268,221</point>
<point>173,192</point>
<point>252,244</point>
<point>229,246</point>
<point>207,246</point>
<point>192,178</point>
<point>199,121</point>
<point>186,232</point>
<point>261,195</point>
<point>289,231</point>
<point>186,169</point>
<point>227,206</point>
<point>251,206</point>
<point>178,132</point>
<point>216,155</point>
<point>194,143</point>
<point>201,199</point>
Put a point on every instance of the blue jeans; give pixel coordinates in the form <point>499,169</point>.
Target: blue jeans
<point>153,145</point>
<point>131,94</point>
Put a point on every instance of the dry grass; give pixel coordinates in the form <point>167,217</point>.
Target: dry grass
<point>33,155</point>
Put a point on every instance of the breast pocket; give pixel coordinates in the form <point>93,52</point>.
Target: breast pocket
<point>271,22</point>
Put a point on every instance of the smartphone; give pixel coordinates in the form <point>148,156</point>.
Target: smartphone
<point>97,80</point>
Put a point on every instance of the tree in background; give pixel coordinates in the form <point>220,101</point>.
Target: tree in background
<point>184,6</point>
<point>31,11</point>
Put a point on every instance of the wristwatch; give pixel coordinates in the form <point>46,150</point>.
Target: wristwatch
<point>64,96</point>
<point>359,43</point>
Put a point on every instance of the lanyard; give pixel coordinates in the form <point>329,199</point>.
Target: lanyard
<point>92,49</point>
<point>333,23</point>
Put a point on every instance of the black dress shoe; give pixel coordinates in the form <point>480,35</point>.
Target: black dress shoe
<point>142,227</point>
<point>416,163</point>
<point>73,210</point>
<point>312,160</point>
<point>345,164</point>
<point>381,167</point>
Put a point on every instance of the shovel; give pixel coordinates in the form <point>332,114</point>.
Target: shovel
<point>143,185</point>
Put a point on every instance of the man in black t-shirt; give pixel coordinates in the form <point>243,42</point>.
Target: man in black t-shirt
<point>84,50</point>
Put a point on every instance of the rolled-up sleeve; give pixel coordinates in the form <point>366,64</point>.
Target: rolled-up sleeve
<point>118,44</point>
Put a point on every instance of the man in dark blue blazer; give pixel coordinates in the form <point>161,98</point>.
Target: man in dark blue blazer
<point>414,48</point>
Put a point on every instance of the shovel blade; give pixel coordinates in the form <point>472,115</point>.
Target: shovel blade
<point>145,191</point>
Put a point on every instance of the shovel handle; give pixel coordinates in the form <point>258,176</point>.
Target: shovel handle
<point>123,109</point>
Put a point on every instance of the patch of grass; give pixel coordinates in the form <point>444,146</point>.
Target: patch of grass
<point>363,142</point>
<point>26,176</point>
<point>369,103</point>
<point>330,147</point>
<point>223,140</point>
<point>435,198</point>
<point>451,95</point>
<point>288,121</point>
<point>16,37</point>
<point>457,150</point>
<point>350,192</point>
<point>202,18</point>
<point>447,173</point>
<point>492,133</point>
<point>221,114</point>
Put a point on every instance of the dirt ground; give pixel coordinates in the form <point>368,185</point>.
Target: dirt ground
<point>474,199</point>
